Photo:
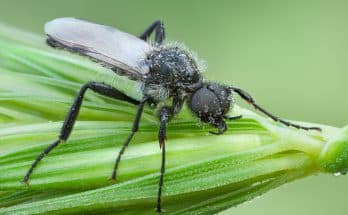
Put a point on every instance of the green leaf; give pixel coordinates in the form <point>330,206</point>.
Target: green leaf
<point>205,174</point>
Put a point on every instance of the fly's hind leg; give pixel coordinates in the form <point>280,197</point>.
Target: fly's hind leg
<point>70,119</point>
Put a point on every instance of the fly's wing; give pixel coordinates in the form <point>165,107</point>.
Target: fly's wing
<point>122,52</point>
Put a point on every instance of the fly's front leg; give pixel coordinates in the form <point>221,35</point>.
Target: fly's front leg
<point>233,117</point>
<point>165,115</point>
<point>158,27</point>
<point>74,110</point>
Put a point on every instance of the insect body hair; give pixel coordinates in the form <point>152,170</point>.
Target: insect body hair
<point>172,69</point>
<point>200,63</point>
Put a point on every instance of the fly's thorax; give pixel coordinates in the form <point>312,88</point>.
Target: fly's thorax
<point>211,102</point>
<point>171,69</point>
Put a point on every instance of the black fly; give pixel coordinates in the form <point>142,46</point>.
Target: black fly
<point>166,71</point>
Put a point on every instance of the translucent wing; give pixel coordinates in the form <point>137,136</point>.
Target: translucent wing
<point>122,52</point>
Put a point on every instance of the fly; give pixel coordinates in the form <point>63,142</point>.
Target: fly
<point>165,71</point>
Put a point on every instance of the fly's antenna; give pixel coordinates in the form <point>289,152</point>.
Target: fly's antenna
<point>247,97</point>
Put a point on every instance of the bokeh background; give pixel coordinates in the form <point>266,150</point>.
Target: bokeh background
<point>290,55</point>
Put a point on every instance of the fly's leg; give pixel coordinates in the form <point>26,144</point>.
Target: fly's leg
<point>158,27</point>
<point>244,95</point>
<point>70,119</point>
<point>164,117</point>
<point>134,129</point>
<point>233,117</point>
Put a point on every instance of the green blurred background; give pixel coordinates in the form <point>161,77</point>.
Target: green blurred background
<point>290,55</point>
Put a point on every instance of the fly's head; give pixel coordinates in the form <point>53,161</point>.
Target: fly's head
<point>211,102</point>
<point>175,67</point>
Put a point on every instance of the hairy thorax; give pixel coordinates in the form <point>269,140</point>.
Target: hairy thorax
<point>171,70</point>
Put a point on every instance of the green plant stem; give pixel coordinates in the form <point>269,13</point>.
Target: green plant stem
<point>205,174</point>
